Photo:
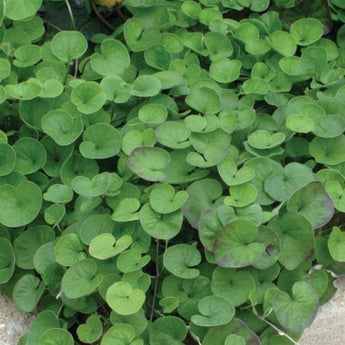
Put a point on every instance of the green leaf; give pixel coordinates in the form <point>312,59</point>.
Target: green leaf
<point>7,158</point>
<point>241,195</point>
<point>7,260</point>
<point>202,194</point>
<point>236,245</point>
<point>102,184</point>
<point>225,70</point>
<point>336,244</point>
<point>120,334</point>
<point>21,9</point>
<point>297,239</point>
<point>131,261</point>
<point>160,226</point>
<point>282,42</point>
<point>113,59</point>
<point>146,86</point>
<point>232,285</point>
<point>314,203</point>
<point>81,279</point>
<point>234,339</point>
<point>69,249</point>
<point>88,97</point>
<point>62,127</point>
<point>179,259</point>
<point>68,45</point>
<point>173,134</point>
<point>149,163</point>
<point>281,184</point>
<point>163,198</point>
<point>300,123</point>
<point>204,100</point>
<point>297,312</point>
<point>58,193</point>
<point>28,242</point>
<point>123,299</point>
<point>306,31</point>
<point>215,310</point>
<point>105,246</point>
<point>56,336</point>
<point>100,141</point>
<point>168,330</point>
<point>26,90</point>
<point>44,320</point>
<point>91,331</point>
<point>328,151</point>
<point>27,291</point>
<point>126,209</point>
<point>19,205</point>
<point>153,114</point>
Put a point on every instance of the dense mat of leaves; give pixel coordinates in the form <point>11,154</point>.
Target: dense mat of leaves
<point>171,172</point>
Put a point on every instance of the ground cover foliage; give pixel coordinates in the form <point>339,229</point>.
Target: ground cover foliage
<point>172,172</point>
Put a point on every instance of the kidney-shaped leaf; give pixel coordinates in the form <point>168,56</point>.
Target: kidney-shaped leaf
<point>297,312</point>
<point>100,141</point>
<point>91,331</point>
<point>314,203</point>
<point>114,58</point>
<point>163,198</point>
<point>179,259</point>
<point>68,45</point>
<point>296,236</point>
<point>336,244</point>
<point>19,205</point>
<point>7,260</point>
<point>236,245</point>
<point>306,31</point>
<point>56,336</point>
<point>149,163</point>
<point>123,299</point>
<point>81,279</point>
<point>215,310</point>
<point>105,246</point>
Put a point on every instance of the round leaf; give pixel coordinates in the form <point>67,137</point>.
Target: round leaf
<point>306,31</point>
<point>100,141</point>
<point>56,336</point>
<point>19,205</point>
<point>215,310</point>
<point>81,279</point>
<point>236,246</point>
<point>68,45</point>
<point>179,258</point>
<point>123,299</point>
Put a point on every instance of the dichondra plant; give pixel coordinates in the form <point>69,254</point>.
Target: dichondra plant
<point>171,172</point>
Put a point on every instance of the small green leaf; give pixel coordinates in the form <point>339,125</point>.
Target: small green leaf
<point>306,31</point>
<point>68,45</point>
<point>91,331</point>
<point>81,279</point>
<point>297,312</point>
<point>105,246</point>
<point>236,245</point>
<point>56,336</point>
<point>123,299</point>
<point>336,244</point>
<point>179,258</point>
<point>215,310</point>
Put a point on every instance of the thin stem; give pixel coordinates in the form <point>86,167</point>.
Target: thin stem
<point>102,19</point>
<point>76,66</point>
<point>54,26</point>
<point>119,12</point>
<point>156,282</point>
<point>194,336</point>
<point>280,332</point>
<point>71,14</point>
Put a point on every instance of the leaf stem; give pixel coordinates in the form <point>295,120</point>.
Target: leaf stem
<point>71,14</point>
<point>194,336</point>
<point>280,332</point>
<point>102,19</point>
<point>156,282</point>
